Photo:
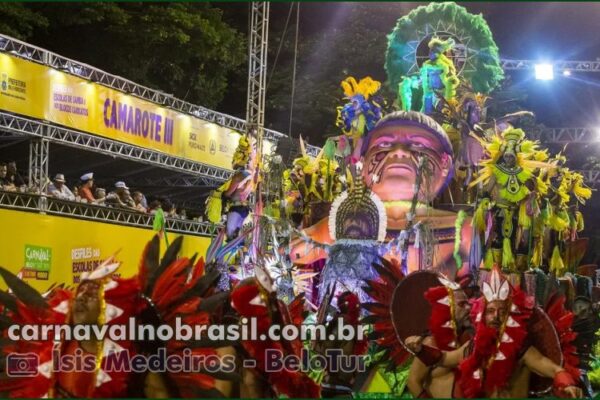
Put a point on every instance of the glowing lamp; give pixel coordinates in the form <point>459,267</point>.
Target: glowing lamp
<point>544,72</point>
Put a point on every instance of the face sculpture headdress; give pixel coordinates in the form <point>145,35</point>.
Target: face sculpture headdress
<point>357,223</point>
<point>358,214</point>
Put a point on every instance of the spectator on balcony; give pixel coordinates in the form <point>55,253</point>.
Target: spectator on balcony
<point>154,205</point>
<point>100,195</point>
<point>59,190</point>
<point>144,202</point>
<point>169,209</point>
<point>128,200</point>
<point>13,175</point>
<point>6,184</point>
<point>85,190</point>
<point>138,198</point>
<point>75,191</point>
<point>120,196</point>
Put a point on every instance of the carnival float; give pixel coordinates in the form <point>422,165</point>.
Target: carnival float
<point>480,296</point>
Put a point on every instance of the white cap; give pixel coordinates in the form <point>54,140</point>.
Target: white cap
<point>87,177</point>
<point>121,185</point>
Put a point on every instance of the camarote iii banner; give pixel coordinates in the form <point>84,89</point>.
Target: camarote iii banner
<point>40,92</point>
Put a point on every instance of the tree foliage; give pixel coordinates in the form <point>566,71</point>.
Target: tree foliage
<point>325,58</point>
<point>19,21</point>
<point>181,48</point>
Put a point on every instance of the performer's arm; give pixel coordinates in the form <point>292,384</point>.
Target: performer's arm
<point>451,359</point>
<point>564,384</point>
<point>536,362</point>
<point>431,356</point>
<point>418,374</point>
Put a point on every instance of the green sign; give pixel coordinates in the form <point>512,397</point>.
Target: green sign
<point>38,258</point>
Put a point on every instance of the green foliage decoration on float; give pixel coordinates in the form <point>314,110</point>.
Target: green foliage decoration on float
<point>482,65</point>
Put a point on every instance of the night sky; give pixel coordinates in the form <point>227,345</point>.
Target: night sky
<point>544,31</point>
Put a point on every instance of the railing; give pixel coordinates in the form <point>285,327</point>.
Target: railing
<point>52,206</point>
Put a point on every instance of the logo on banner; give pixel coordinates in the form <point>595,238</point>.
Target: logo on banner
<point>38,260</point>
<point>212,146</point>
<point>12,87</point>
<point>85,259</point>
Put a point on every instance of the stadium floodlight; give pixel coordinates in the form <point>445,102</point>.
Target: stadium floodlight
<point>567,72</point>
<point>544,72</point>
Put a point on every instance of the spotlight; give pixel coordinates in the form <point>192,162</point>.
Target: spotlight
<point>567,72</point>
<point>544,72</point>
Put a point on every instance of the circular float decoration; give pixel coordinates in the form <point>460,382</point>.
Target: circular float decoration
<point>411,317</point>
<point>475,54</point>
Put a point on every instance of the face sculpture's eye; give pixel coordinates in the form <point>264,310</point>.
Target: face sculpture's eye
<point>384,145</point>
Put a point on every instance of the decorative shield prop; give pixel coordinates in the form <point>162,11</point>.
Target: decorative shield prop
<point>588,270</point>
<point>595,294</point>
<point>410,310</point>
<point>544,337</point>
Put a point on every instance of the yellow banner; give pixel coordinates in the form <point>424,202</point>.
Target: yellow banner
<point>48,249</point>
<point>44,93</point>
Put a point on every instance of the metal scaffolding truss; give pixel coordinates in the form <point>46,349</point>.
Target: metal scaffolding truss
<point>567,135</point>
<point>30,202</point>
<point>38,162</point>
<point>578,66</point>
<point>68,137</point>
<point>36,54</point>
<point>592,177</point>
<point>257,65</point>
<point>172,181</point>
<point>24,50</point>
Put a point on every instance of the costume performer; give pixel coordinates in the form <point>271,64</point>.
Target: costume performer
<point>256,297</point>
<point>164,290</point>
<point>565,221</point>
<point>99,300</point>
<point>357,117</point>
<point>312,184</point>
<point>499,360</point>
<point>440,317</point>
<point>438,78</point>
<point>236,190</point>
<point>510,198</point>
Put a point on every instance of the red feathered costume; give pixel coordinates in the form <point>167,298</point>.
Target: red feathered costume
<point>251,300</point>
<point>496,352</point>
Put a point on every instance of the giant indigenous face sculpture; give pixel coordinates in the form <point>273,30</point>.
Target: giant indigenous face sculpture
<point>392,153</point>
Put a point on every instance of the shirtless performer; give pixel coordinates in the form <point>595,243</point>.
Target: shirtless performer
<point>499,360</point>
<point>391,152</point>
<point>437,382</point>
